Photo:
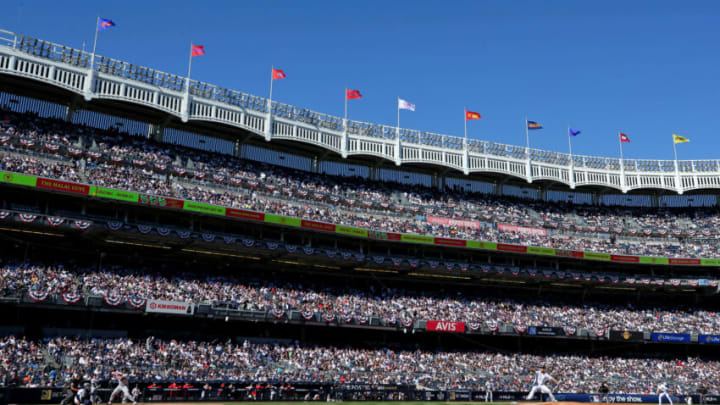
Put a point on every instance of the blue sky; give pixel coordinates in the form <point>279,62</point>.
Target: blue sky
<point>648,68</point>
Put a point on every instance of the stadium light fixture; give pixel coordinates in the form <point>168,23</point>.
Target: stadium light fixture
<point>207,252</point>
<point>322,266</point>
<point>438,276</point>
<point>376,270</point>
<point>121,242</point>
<point>32,232</point>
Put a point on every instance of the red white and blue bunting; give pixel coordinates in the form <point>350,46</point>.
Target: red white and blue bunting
<point>55,221</point>
<point>39,296</point>
<point>137,302</point>
<point>27,218</point>
<point>82,225</point>
<point>113,300</point>
<point>71,297</point>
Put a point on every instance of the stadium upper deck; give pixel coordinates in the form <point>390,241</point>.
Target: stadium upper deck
<point>112,80</point>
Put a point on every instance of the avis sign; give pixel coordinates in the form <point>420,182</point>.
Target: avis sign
<point>169,307</point>
<point>442,326</point>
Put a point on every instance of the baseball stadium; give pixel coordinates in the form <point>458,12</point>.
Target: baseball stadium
<point>170,241</point>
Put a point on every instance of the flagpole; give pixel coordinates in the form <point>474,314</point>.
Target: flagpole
<point>92,58</point>
<point>572,173</point>
<point>465,119</point>
<point>527,137</point>
<point>346,104</point>
<point>675,150</point>
<point>189,68</point>
<point>398,121</point>
<point>272,67</point>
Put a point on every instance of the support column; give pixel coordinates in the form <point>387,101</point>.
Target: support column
<point>237,148</point>
<point>344,141</point>
<point>88,85</point>
<point>654,200</point>
<point>69,113</point>
<point>185,107</point>
<point>466,157</point>
<point>156,132</point>
<point>398,150</point>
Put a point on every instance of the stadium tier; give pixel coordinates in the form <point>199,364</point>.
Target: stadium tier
<point>119,284</point>
<point>107,159</point>
<point>256,239</point>
<point>164,362</point>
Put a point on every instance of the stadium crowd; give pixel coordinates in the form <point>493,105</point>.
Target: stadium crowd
<point>50,363</point>
<point>263,294</point>
<point>127,162</point>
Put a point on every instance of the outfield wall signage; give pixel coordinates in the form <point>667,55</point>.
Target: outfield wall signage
<point>671,337</point>
<point>545,331</point>
<point>626,335</point>
<point>709,339</point>
<point>442,326</point>
<point>169,307</point>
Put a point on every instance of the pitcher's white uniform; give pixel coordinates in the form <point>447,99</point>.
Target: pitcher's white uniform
<point>122,387</point>
<point>541,379</point>
<point>663,391</point>
<point>488,391</point>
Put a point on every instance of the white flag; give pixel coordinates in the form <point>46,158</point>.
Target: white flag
<point>404,105</point>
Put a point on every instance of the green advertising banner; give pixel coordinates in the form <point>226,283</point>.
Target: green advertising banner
<point>278,219</point>
<point>596,256</point>
<point>417,238</point>
<point>347,230</point>
<point>114,194</point>
<point>653,260</point>
<point>541,251</point>
<point>476,244</point>
<point>19,179</point>
<point>709,262</point>
<point>204,208</point>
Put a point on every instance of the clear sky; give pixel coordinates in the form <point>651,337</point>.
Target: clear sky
<point>648,68</point>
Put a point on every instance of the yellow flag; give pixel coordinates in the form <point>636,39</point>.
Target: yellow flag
<point>679,139</point>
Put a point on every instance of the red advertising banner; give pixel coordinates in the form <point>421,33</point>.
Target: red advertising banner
<point>320,226</point>
<point>625,259</point>
<point>521,229</point>
<point>453,222</point>
<point>441,326</point>
<point>63,186</point>
<point>512,248</point>
<point>252,215</point>
<point>394,236</point>
<point>450,242</point>
<point>686,262</point>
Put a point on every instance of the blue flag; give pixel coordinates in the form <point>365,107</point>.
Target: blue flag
<point>105,24</point>
<point>574,132</point>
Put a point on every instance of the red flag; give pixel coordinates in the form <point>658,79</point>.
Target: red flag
<point>197,50</point>
<point>624,138</point>
<point>469,115</point>
<point>352,94</point>
<point>278,74</point>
